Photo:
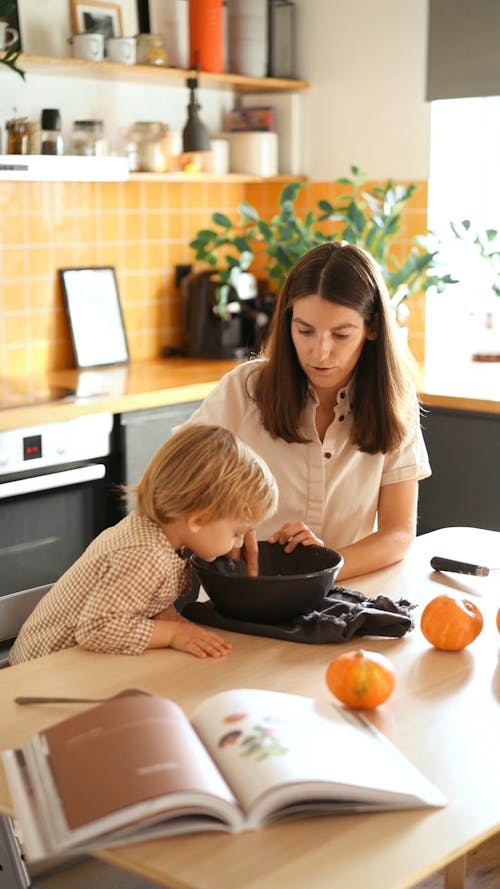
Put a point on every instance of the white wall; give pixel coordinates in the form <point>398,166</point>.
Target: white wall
<point>365,60</point>
<point>118,104</point>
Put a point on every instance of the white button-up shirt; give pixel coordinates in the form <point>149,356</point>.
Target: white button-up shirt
<point>332,486</point>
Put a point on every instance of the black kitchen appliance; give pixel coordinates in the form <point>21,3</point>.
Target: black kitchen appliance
<point>206,334</point>
<point>55,498</point>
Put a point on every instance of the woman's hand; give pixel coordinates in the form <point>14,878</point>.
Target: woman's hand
<point>249,552</point>
<point>294,533</point>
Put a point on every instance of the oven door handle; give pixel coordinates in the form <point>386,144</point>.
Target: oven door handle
<point>53,480</point>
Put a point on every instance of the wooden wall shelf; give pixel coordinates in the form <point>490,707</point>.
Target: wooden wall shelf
<point>70,168</point>
<point>149,73</point>
<point>65,168</point>
<point>211,177</point>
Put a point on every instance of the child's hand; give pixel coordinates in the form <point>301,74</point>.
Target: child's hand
<point>293,534</point>
<point>186,636</point>
<point>249,552</point>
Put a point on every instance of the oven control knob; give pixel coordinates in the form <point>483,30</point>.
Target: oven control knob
<point>61,450</point>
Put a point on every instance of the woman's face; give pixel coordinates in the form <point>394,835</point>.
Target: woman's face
<point>328,339</point>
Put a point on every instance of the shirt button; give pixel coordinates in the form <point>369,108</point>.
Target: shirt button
<point>341,418</point>
<point>342,394</point>
<point>327,455</point>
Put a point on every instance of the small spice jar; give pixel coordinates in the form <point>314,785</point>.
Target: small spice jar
<point>19,136</point>
<point>151,50</point>
<point>87,138</point>
<point>147,147</point>
<point>51,140</point>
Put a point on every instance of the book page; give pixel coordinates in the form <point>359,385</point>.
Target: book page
<point>131,752</point>
<point>278,749</point>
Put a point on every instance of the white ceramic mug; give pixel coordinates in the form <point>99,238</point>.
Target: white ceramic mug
<point>121,49</point>
<point>8,36</point>
<point>89,47</point>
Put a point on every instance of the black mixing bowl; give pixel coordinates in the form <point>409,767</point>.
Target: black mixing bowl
<point>288,585</point>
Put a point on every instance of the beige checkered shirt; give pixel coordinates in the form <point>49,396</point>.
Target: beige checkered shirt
<point>107,599</point>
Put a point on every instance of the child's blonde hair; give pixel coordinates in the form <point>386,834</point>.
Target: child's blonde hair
<point>206,469</point>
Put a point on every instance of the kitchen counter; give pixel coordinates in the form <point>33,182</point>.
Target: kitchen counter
<point>469,386</point>
<point>119,389</point>
<point>143,385</point>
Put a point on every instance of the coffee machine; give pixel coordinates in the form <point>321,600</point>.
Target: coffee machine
<point>206,334</point>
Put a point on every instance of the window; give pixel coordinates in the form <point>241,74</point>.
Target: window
<point>464,183</point>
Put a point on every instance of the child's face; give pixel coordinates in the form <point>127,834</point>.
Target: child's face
<point>217,537</point>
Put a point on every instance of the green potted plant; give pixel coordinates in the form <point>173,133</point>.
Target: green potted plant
<point>368,218</point>
<point>371,218</point>
<point>284,240</point>
<point>10,56</point>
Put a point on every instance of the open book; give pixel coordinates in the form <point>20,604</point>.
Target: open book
<point>134,768</point>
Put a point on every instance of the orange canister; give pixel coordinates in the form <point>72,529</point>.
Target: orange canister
<point>206,35</point>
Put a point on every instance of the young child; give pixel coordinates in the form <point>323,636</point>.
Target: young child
<point>203,490</point>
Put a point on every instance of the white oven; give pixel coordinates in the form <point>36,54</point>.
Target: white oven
<point>55,497</point>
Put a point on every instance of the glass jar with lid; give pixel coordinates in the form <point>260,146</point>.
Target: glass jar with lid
<point>147,147</point>
<point>151,50</point>
<point>22,136</point>
<point>87,138</point>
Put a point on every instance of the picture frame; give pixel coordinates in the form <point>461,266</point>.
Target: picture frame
<point>97,16</point>
<point>95,318</point>
<point>143,21</point>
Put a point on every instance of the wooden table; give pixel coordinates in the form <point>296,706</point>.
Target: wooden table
<point>444,715</point>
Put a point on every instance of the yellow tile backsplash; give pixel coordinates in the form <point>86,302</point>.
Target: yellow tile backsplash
<point>143,229</point>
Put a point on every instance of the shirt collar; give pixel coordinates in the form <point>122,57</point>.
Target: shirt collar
<point>344,402</point>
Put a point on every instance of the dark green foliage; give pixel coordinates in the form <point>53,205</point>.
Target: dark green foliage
<point>368,218</point>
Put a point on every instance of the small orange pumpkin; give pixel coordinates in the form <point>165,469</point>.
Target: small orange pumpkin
<point>360,679</point>
<point>450,623</point>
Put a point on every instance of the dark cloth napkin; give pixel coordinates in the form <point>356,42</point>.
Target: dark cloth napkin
<point>344,613</point>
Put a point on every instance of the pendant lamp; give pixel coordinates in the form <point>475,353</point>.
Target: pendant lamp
<point>195,134</point>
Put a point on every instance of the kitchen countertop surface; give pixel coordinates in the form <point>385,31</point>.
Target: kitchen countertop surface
<point>150,384</point>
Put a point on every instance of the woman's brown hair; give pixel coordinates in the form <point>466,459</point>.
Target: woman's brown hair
<point>349,276</point>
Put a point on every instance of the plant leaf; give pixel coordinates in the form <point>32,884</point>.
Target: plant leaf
<point>248,212</point>
<point>222,220</point>
<point>290,192</point>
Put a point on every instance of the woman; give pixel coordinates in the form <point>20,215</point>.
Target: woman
<point>331,408</point>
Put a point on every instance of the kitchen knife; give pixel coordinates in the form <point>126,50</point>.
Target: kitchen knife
<point>440,564</point>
